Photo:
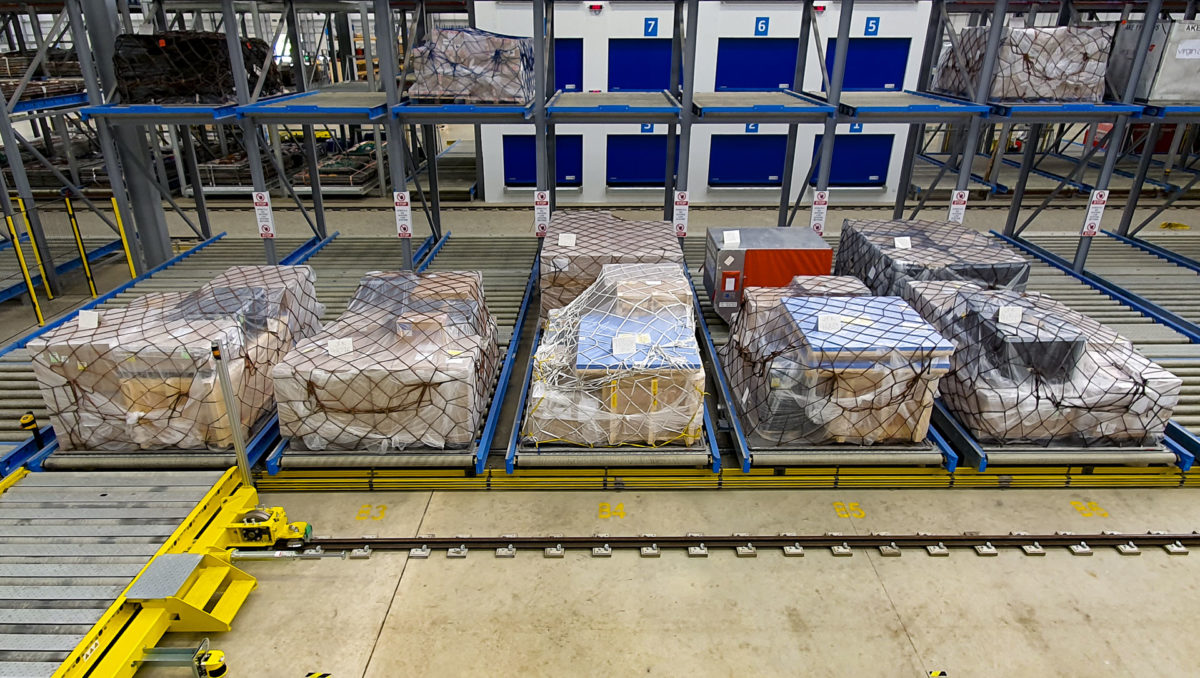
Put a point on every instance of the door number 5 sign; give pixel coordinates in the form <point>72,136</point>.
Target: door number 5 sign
<point>263,215</point>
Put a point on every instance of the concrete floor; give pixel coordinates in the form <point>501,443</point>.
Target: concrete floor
<point>1059,615</point>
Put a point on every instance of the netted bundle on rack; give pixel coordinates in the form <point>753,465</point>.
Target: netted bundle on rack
<point>182,67</point>
<point>759,304</point>
<point>620,364</point>
<point>40,89</point>
<point>818,370</point>
<point>410,363</point>
<point>470,65</point>
<point>234,169</point>
<point>57,62</point>
<point>579,243</point>
<point>1028,369</point>
<point>143,378</point>
<point>887,254</point>
<point>353,167</point>
<point>1063,63</point>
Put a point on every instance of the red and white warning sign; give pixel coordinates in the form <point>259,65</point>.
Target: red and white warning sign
<point>1095,213</point>
<point>958,207</point>
<point>403,214</point>
<point>680,217</point>
<point>541,213</point>
<point>263,215</point>
<point>820,208</point>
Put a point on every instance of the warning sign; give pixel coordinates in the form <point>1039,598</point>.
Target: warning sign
<point>541,213</point>
<point>680,218</point>
<point>820,208</point>
<point>263,215</point>
<point>403,214</point>
<point>958,207</point>
<point>1095,213</point>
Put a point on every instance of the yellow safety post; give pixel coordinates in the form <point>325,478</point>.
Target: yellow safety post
<point>87,268</point>
<point>12,231</point>
<point>37,252</point>
<point>124,240</point>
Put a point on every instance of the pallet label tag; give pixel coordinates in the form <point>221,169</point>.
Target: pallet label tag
<point>680,218</point>
<point>958,207</point>
<point>903,242</point>
<point>341,346</point>
<point>820,208</point>
<point>829,322</point>
<point>1091,224</point>
<point>566,239</point>
<point>400,199</point>
<point>1009,315</point>
<point>733,238</point>
<point>541,213</point>
<point>263,215</point>
<point>89,320</point>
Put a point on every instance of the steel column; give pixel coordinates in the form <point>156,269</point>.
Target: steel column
<point>789,155</point>
<point>539,95</point>
<point>1027,160</point>
<point>672,133</point>
<point>385,44</point>
<point>834,93</point>
<point>1135,190</point>
<point>310,141</point>
<point>21,181</point>
<point>689,85</point>
<point>916,132</point>
<point>982,89</point>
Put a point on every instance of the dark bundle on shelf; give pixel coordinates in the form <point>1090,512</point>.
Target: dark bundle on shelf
<point>1029,370</point>
<point>234,169</point>
<point>473,66</point>
<point>40,89</point>
<point>57,62</point>
<point>354,167</point>
<point>187,67</point>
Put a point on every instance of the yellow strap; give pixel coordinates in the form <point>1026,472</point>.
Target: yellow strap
<point>612,399</point>
<point>654,393</point>
<point>87,267</point>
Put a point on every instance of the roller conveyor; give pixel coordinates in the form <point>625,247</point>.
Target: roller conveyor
<point>505,265</point>
<point>70,543</point>
<point>18,385</point>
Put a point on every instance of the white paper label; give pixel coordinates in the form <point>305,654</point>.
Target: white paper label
<point>1095,213</point>
<point>728,260</point>
<point>903,242</point>
<point>727,304</point>
<point>680,218</point>
<point>541,213</point>
<point>730,284</point>
<point>732,237</point>
<point>820,208</point>
<point>342,346</point>
<point>1009,315</point>
<point>624,345</point>
<point>958,207</point>
<point>89,320</point>
<point>566,239</point>
<point>1188,49</point>
<point>829,322</point>
<point>403,214</point>
<point>263,215</point>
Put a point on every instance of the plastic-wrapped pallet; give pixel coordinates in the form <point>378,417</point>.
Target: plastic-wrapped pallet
<point>410,363</point>
<point>1028,369</point>
<point>143,377</point>
<point>817,370</point>
<point>1063,63</point>
<point>470,65</point>
<point>620,364</point>
<point>759,304</point>
<point>579,243</point>
<point>187,67</point>
<point>887,254</point>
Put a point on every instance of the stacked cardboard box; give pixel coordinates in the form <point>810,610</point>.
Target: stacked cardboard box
<point>1030,370</point>
<point>819,369</point>
<point>143,377</point>
<point>1063,63</point>
<point>410,363</point>
<point>470,65</point>
<point>620,364</point>
<point>887,254</point>
<point>579,243</point>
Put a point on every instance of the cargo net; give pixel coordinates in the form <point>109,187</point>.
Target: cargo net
<point>57,62</point>
<point>1065,63</point>
<point>185,67</point>
<point>820,362</point>
<point>1029,370</point>
<point>887,254</point>
<point>41,89</point>
<point>410,364</point>
<point>579,243</point>
<point>353,167</point>
<point>620,365</point>
<point>233,169</point>
<point>472,66</point>
<point>143,377</point>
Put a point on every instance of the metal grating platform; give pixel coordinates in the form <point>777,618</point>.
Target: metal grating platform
<point>70,543</point>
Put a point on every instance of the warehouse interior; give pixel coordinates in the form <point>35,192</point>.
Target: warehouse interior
<point>670,337</point>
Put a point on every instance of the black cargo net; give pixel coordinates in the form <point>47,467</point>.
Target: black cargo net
<point>410,364</point>
<point>143,377</point>
<point>179,67</point>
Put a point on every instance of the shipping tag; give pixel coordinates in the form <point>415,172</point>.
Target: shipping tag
<point>903,242</point>
<point>89,320</point>
<point>829,322</point>
<point>624,345</point>
<point>566,239</point>
<point>342,346</point>
<point>1009,315</point>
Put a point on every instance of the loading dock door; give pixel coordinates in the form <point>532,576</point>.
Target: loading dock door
<point>568,64</point>
<point>756,63</point>
<point>747,159</point>
<point>520,160</point>
<point>872,64</point>
<point>858,159</point>
<point>639,64</point>
<point>638,159</point>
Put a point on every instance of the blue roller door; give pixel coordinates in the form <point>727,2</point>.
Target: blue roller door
<point>520,160</point>
<point>746,159</point>
<point>872,64</point>
<point>639,64</point>
<point>638,159</point>
<point>858,159</point>
<point>756,63</point>
<point>568,64</point>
